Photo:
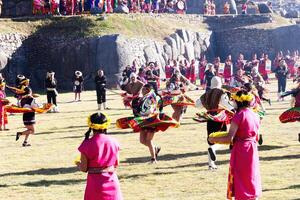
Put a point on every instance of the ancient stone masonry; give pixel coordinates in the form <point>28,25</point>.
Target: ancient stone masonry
<point>16,8</point>
<point>9,44</point>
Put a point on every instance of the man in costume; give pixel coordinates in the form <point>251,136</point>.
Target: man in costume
<point>100,81</point>
<point>51,84</point>
<point>214,101</point>
<point>259,83</point>
<point>132,88</point>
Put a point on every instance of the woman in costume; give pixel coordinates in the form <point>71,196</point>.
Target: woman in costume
<point>100,81</point>
<point>99,159</point>
<point>292,114</point>
<point>244,175</point>
<point>132,87</point>
<point>259,83</point>
<point>3,102</point>
<point>51,84</point>
<point>27,101</point>
<point>176,87</point>
<point>78,84</point>
<point>216,102</point>
<point>147,121</point>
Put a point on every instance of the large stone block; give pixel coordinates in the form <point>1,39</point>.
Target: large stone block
<point>3,60</point>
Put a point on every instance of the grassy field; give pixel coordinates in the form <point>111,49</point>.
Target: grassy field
<point>45,171</point>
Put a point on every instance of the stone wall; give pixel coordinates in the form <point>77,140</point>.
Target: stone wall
<point>217,23</point>
<point>110,53</point>
<point>252,40</point>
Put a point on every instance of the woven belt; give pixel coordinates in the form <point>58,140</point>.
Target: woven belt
<point>99,170</point>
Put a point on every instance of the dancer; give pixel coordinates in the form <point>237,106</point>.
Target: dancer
<point>51,84</point>
<point>147,121</point>
<point>100,158</point>
<point>100,81</point>
<point>3,102</point>
<point>175,95</point>
<point>215,101</point>
<point>292,114</point>
<point>244,175</point>
<point>259,83</point>
<point>27,101</point>
<point>78,84</point>
<point>132,88</point>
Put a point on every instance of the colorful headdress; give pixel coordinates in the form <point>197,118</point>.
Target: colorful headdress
<point>249,97</point>
<point>104,122</point>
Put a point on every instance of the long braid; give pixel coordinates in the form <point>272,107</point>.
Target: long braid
<point>87,134</point>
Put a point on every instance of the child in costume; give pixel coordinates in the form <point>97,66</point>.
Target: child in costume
<point>78,84</point>
<point>215,100</point>
<point>27,101</point>
<point>99,159</point>
<point>244,180</point>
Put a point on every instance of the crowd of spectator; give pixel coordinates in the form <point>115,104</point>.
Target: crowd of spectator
<point>74,7</point>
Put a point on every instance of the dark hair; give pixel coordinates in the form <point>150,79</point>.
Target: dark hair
<point>248,87</point>
<point>242,104</point>
<point>148,86</point>
<point>96,118</point>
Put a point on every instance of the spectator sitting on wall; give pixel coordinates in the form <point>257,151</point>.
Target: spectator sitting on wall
<point>169,7</point>
<point>226,8</point>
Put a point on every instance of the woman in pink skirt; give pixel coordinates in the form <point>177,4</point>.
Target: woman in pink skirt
<point>100,158</point>
<point>244,176</point>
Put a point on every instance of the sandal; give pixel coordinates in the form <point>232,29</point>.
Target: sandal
<point>26,144</point>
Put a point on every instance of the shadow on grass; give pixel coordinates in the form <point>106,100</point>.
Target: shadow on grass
<point>270,147</point>
<point>46,183</point>
<point>286,157</point>
<point>168,157</point>
<point>136,176</point>
<point>286,188</point>
<point>44,171</point>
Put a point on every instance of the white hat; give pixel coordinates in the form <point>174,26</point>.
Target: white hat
<point>133,75</point>
<point>78,73</point>
<point>216,82</point>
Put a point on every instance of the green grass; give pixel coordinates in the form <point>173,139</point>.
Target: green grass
<point>45,171</point>
<point>89,26</point>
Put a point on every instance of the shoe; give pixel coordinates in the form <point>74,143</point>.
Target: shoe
<point>18,135</point>
<point>212,154</point>
<point>260,140</point>
<point>157,150</point>
<point>212,167</point>
<point>26,144</point>
<point>153,161</point>
<point>269,101</point>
